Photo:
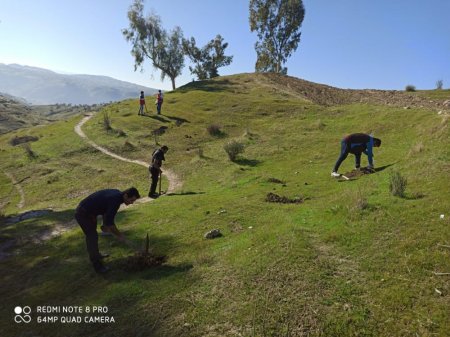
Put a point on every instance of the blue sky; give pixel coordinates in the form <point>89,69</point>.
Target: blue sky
<point>384,44</point>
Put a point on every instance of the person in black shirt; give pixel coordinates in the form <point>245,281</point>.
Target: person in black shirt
<point>356,143</point>
<point>155,169</point>
<point>105,203</point>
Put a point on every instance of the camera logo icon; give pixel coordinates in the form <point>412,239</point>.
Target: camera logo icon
<point>22,314</point>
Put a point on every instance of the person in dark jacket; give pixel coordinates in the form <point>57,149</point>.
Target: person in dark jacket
<point>356,143</point>
<point>105,203</point>
<point>159,102</point>
<point>155,169</point>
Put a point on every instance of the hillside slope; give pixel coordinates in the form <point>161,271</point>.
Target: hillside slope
<point>42,86</point>
<point>15,114</point>
<point>350,260</point>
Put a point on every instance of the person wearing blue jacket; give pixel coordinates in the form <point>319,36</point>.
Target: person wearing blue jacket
<point>356,143</point>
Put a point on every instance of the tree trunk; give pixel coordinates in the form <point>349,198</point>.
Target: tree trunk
<point>173,82</point>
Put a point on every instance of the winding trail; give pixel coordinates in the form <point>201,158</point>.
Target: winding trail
<point>174,182</point>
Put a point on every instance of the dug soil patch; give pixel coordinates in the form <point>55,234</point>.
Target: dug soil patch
<point>143,260</point>
<point>272,197</point>
<point>358,173</point>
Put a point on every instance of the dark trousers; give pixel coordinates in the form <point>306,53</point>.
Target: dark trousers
<point>345,150</point>
<point>88,224</point>
<point>141,109</point>
<point>154,173</point>
<point>158,107</point>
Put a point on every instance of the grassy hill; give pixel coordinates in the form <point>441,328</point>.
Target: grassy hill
<point>351,260</point>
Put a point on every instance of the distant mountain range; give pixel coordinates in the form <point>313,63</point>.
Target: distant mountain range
<point>42,86</point>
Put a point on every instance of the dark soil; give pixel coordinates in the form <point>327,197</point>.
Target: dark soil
<point>272,197</point>
<point>358,173</point>
<point>275,181</point>
<point>143,260</point>
<point>329,96</point>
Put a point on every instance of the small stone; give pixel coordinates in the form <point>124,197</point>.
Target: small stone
<point>212,234</point>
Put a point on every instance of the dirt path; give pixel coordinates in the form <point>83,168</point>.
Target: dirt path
<point>174,182</point>
<point>18,188</point>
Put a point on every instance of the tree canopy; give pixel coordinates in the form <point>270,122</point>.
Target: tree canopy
<point>150,40</point>
<point>277,24</point>
<point>207,59</point>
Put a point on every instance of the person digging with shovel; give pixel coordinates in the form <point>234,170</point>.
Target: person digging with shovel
<point>105,203</point>
<point>155,170</point>
<point>356,143</point>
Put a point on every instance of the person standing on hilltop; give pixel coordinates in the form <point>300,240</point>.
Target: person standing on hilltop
<point>105,203</point>
<point>159,102</point>
<point>141,104</point>
<point>155,169</point>
<point>356,143</point>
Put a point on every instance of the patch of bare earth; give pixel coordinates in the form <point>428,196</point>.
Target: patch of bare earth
<point>326,95</point>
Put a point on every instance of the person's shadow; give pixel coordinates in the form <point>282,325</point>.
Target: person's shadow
<point>382,168</point>
<point>184,193</point>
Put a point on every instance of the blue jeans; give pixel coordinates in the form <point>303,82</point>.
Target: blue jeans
<point>345,150</point>
<point>158,108</point>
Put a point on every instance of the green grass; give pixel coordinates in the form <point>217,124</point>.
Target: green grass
<point>327,267</point>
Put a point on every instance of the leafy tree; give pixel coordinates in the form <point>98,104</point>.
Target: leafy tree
<point>277,24</point>
<point>150,40</point>
<point>207,59</point>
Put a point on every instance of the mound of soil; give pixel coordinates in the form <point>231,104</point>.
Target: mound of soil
<point>275,181</point>
<point>358,173</point>
<point>143,260</point>
<point>272,197</point>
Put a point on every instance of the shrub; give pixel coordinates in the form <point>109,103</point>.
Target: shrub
<point>417,148</point>
<point>410,88</point>
<point>233,148</point>
<point>319,125</point>
<point>214,130</point>
<point>127,146</point>
<point>439,84</point>
<point>357,201</point>
<point>397,184</point>
<point>107,121</point>
<point>200,153</point>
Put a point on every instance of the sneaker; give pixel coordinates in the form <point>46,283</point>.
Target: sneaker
<point>103,256</point>
<point>153,195</point>
<point>335,174</point>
